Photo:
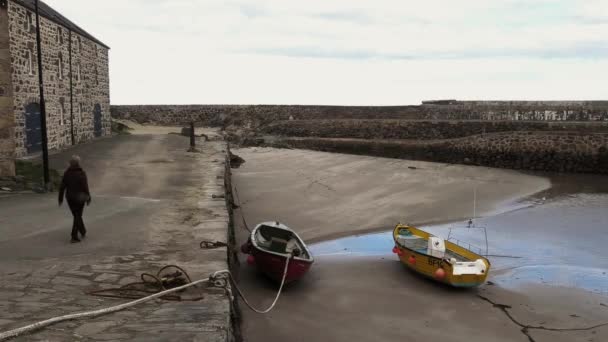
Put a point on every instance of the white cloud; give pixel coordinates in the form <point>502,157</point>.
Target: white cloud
<point>348,51</point>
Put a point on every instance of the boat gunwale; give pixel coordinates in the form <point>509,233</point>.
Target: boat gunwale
<point>448,243</point>
<point>446,260</point>
<point>278,225</point>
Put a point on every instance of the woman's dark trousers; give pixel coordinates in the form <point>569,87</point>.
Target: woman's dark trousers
<point>77,208</point>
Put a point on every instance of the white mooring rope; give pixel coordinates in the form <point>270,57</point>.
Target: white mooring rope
<point>39,325</point>
<point>276,299</point>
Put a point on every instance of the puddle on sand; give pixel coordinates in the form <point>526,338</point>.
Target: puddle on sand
<point>367,244</point>
<point>560,242</point>
<point>591,279</point>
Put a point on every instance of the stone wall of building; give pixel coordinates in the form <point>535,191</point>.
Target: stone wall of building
<point>542,151</point>
<point>89,84</point>
<point>7,141</point>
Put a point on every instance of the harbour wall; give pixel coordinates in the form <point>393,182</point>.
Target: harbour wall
<point>217,115</point>
<point>561,136</point>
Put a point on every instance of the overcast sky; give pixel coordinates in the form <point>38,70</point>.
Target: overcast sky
<point>348,52</point>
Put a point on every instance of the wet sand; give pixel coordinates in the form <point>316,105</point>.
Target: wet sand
<point>371,296</point>
<point>328,195</point>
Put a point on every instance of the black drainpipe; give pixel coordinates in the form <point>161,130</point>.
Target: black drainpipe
<point>71,93</point>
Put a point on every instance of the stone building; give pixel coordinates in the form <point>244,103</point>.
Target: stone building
<point>76,82</point>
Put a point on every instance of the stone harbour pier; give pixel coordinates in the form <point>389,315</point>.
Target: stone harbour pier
<point>561,136</point>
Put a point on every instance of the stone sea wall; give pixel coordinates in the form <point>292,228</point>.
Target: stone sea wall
<point>542,151</point>
<point>418,129</point>
<point>257,115</point>
<point>550,136</point>
<point>247,115</point>
<point>517,110</point>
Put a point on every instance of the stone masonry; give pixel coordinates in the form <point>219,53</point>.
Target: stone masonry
<point>7,144</point>
<point>419,129</point>
<point>259,115</point>
<point>541,151</point>
<point>539,135</point>
<point>76,80</point>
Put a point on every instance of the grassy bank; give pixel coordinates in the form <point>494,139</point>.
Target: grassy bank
<point>30,175</point>
<point>120,128</point>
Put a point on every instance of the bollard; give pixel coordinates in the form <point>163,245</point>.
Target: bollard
<point>192,142</point>
<point>192,138</point>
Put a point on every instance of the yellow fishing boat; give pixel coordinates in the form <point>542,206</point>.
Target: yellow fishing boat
<point>439,259</point>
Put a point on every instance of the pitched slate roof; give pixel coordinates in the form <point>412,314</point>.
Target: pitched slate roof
<point>49,13</point>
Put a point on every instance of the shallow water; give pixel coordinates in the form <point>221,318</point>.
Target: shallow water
<point>560,241</point>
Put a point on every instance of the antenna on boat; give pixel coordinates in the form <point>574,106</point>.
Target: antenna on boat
<point>475,201</point>
<point>471,223</point>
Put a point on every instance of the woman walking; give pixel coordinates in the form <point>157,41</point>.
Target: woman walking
<point>76,188</point>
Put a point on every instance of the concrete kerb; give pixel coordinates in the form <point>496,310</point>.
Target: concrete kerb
<point>216,195</point>
<point>233,260</point>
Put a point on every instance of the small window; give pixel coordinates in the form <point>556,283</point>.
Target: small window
<point>27,25</point>
<point>29,62</point>
<point>78,72</point>
<point>61,111</point>
<point>80,111</point>
<point>59,36</point>
<point>60,66</point>
<point>96,75</point>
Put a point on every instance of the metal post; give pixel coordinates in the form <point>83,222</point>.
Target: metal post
<point>45,150</point>
<point>192,142</point>
<point>71,93</point>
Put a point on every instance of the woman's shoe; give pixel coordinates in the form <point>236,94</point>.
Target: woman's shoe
<point>75,240</point>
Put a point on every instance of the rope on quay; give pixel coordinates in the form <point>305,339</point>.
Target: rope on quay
<point>276,298</point>
<point>207,244</point>
<point>214,278</point>
<point>39,325</point>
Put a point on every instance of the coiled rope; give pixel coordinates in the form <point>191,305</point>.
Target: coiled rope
<point>150,284</point>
